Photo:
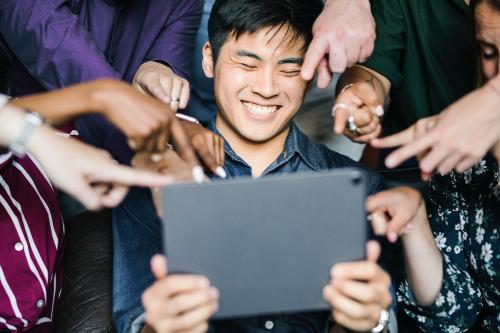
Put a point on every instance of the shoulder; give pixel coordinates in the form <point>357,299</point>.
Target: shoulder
<point>327,159</point>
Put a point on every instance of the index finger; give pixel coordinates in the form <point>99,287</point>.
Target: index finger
<point>395,140</point>
<point>125,175</point>
<point>314,54</point>
<point>409,150</point>
<point>182,144</point>
<point>378,201</point>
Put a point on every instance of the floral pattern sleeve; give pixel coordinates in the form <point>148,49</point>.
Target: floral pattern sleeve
<point>464,211</point>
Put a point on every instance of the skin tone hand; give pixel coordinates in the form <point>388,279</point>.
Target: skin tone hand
<point>344,34</point>
<point>160,81</point>
<point>358,291</point>
<point>178,303</point>
<point>363,93</point>
<point>88,174</point>
<point>461,136</point>
<point>208,145</point>
<point>168,163</point>
<point>140,117</point>
<point>406,137</point>
<point>364,105</point>
<point>394,212</point>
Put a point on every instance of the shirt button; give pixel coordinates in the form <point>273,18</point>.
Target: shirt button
<point>40,303</point>
<point>269,325</point>
<point>19,247</point>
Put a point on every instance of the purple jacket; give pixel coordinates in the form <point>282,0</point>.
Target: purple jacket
<point>56,43</point>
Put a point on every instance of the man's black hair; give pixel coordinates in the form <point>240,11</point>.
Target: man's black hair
<point>232,18</point>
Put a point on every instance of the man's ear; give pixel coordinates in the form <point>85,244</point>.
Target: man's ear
<point>208,60</point>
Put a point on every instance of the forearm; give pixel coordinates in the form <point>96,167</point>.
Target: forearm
<point>60,106</point>
<point>11,122</point>
<point>358,73</point>
<point>423,261</point>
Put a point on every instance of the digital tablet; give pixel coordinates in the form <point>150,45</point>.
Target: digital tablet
<point>267,244</point>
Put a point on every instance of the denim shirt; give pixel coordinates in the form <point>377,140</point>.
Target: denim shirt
<point>299,155</point>
<point>137,237</point>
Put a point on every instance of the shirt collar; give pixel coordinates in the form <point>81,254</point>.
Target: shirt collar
<point>296,144</point>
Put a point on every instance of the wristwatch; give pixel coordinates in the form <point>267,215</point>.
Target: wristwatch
<point>32,120</point>
<point>382,322</point>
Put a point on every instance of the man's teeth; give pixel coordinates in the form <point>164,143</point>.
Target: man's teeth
<point>259,109</point>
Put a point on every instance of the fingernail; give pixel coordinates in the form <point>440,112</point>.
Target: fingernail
<point>156,158</point>
<point>198,174</point>
<point>393,237</point>
<point>378,111</point>
<point>219,171</point>
<point>204,282</point>
<point>214,293</point>
<point>132,144</point>
<point>389,162</point>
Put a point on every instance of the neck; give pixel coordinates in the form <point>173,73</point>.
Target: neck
<point>258,155</point>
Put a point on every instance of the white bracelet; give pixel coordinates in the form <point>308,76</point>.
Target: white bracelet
<point>187,118</point>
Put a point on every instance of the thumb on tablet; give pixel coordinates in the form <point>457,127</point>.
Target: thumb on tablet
<point>159,266</point>
<point>373,251</point>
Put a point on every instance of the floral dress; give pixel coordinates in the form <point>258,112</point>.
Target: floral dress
<point>464,212</point>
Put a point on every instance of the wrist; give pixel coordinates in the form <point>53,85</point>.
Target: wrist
<point>11,124</point>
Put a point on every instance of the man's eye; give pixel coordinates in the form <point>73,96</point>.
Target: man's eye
<point>247,66</point>
<point>291,73</point>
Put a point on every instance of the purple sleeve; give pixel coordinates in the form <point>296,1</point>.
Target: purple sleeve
<point>50,42</point>
<point>175,44</point>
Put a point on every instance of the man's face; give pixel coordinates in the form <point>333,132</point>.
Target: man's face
<point>258,87</point>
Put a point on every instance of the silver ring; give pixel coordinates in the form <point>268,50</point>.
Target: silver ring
<point>175,99</point>
<point>351,125</point>
<point>383,320</point>
<point>340,106</point>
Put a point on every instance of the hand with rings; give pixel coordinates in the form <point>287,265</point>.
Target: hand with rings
<point>160,81</point>
<point>357,113</point>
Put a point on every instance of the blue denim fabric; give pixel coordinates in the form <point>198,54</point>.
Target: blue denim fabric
<point>137,237</point>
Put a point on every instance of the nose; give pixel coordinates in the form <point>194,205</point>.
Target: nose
<point>265,84</point>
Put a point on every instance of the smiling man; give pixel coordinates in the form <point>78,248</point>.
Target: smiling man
<point>254,54</point>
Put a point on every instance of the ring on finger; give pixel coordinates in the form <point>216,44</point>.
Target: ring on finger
<point>175,99</point>
<point>340,106</point>
<point>353,128</point>
<point>382,322</point>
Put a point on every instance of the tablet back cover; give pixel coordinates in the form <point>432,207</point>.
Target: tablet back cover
<point>266,244</point>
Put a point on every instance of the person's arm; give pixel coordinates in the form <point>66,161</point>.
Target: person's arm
<point>438,290</point>
<point>50,42</point>
<point>460,135</point>
<point>344,34</point>
<point>363,91</point>
<point>87,173</point>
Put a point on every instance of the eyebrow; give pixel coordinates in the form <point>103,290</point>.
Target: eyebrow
<point>297,61</point>
<point>292,60</point>
<point>245,53</point>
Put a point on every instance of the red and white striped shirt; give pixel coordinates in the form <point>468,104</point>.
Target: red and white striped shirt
<point>32,236</point>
